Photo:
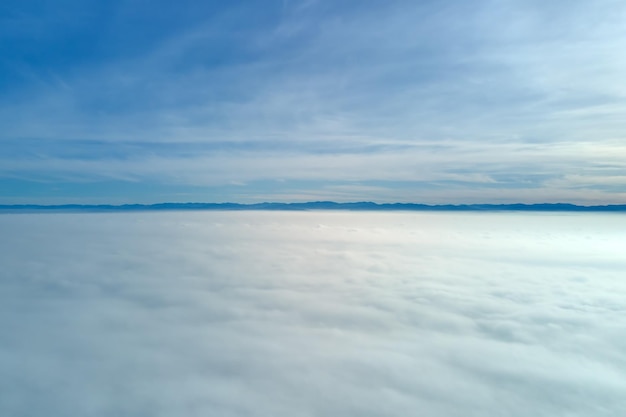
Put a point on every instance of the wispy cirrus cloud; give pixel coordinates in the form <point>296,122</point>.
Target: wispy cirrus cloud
<point>301,79</point>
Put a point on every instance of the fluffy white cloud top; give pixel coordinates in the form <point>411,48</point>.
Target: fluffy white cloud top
<point>312,314</point>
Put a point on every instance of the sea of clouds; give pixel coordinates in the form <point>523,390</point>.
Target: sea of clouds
<point>312,314</point>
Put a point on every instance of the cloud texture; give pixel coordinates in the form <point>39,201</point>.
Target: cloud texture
<point>310,314</point>
<point>488,101</point>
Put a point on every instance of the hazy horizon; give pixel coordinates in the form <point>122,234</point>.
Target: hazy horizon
<point>320,203</point>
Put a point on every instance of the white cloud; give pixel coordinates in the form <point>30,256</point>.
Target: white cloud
<point>580,172</point>
<point>318,313</point>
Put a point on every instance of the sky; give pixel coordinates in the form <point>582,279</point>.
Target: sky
<point>269,314</point>
<point>448,101</point>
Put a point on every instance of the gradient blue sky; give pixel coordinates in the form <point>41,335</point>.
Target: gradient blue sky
<point>247,101</point>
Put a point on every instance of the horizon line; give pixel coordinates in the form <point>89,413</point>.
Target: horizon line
<point>316,205</point>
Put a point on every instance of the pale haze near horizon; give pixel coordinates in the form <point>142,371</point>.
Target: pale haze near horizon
<point>313,313</point>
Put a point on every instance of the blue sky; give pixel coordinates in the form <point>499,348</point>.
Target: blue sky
<point>247,101</point>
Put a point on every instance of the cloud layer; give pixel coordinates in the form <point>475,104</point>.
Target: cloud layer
<point>320,313</point>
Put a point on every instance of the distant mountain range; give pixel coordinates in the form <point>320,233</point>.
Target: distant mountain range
<point>315,205</point>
